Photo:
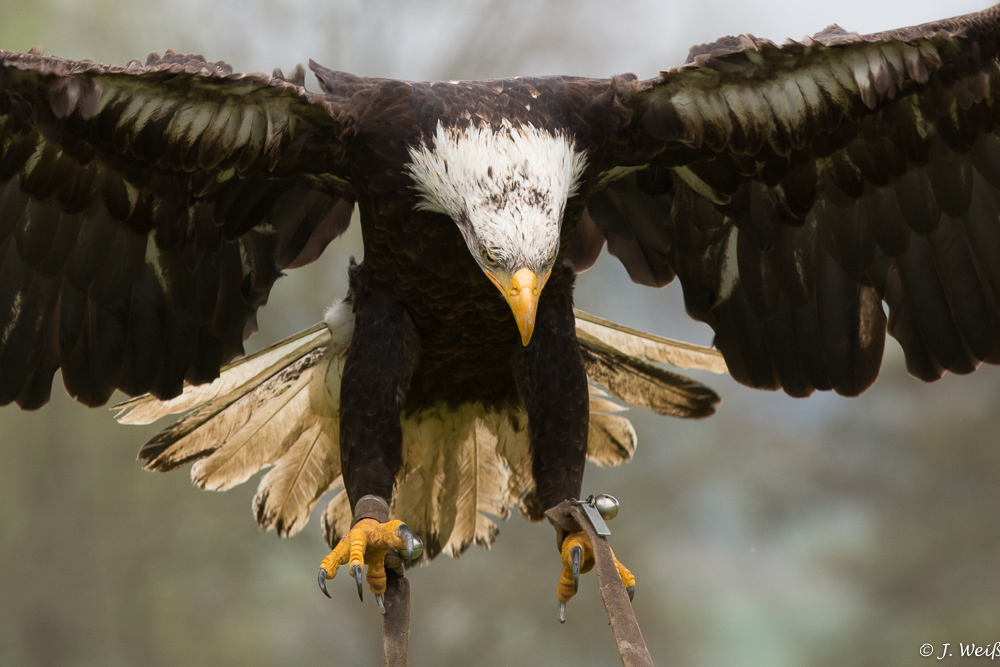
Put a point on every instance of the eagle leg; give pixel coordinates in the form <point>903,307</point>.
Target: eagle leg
<point>577,558</point>
<point>375,378</point>
<point>367,544</point>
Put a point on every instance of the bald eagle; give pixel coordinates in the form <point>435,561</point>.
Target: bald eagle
<point>147,210</point>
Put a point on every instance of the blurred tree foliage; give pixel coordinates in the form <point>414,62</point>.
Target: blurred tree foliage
<point>781,532</point>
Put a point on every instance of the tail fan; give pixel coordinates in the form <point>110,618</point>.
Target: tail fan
<point>264,410</point>
<point>462,468</point>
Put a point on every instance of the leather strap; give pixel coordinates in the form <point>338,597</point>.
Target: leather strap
<point>568,516</point>
<point>396,622</point>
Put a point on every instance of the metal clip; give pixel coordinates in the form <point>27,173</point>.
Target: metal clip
<point>598,508</point>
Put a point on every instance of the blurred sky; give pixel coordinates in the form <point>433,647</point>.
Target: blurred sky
<point>780,532</point>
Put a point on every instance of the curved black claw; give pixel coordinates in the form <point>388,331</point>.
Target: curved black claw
<point>414,546</point>
<point>322,582</point>
<point>380,601</point>
<point>576,554</point>
<point>562,611</point>
<point>356,570</point>
<point>631,592</point>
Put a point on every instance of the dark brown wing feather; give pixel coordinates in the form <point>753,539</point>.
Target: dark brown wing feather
<point>145,212</point>
<point>795,188</point>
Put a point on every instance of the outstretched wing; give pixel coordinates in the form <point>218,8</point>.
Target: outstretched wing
<point>793,189</point>
<point>145,212</point>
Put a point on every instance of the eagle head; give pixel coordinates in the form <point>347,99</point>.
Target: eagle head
<point>506,189</point>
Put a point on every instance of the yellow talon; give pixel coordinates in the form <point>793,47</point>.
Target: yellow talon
<point>577,558</point>
<point>367,544</point>
<point>626,576</point>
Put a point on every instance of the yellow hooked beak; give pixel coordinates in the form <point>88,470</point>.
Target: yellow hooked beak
<point>522,291</point>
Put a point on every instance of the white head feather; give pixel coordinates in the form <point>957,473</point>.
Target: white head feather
<point>506,190</point>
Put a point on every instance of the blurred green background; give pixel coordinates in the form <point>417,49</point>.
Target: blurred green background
<point>780,532</point>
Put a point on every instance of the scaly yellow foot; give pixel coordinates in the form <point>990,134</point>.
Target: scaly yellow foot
<point>367,544</point>
<point>577,557</point>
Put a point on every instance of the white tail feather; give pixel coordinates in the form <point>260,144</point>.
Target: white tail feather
<point>251,434</point>
<point>288,492</point>
<point>456,474</point>
<point>637,343</point>
<point>611,440</point>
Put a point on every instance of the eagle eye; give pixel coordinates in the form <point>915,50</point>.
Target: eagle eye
<point>488,258</point>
